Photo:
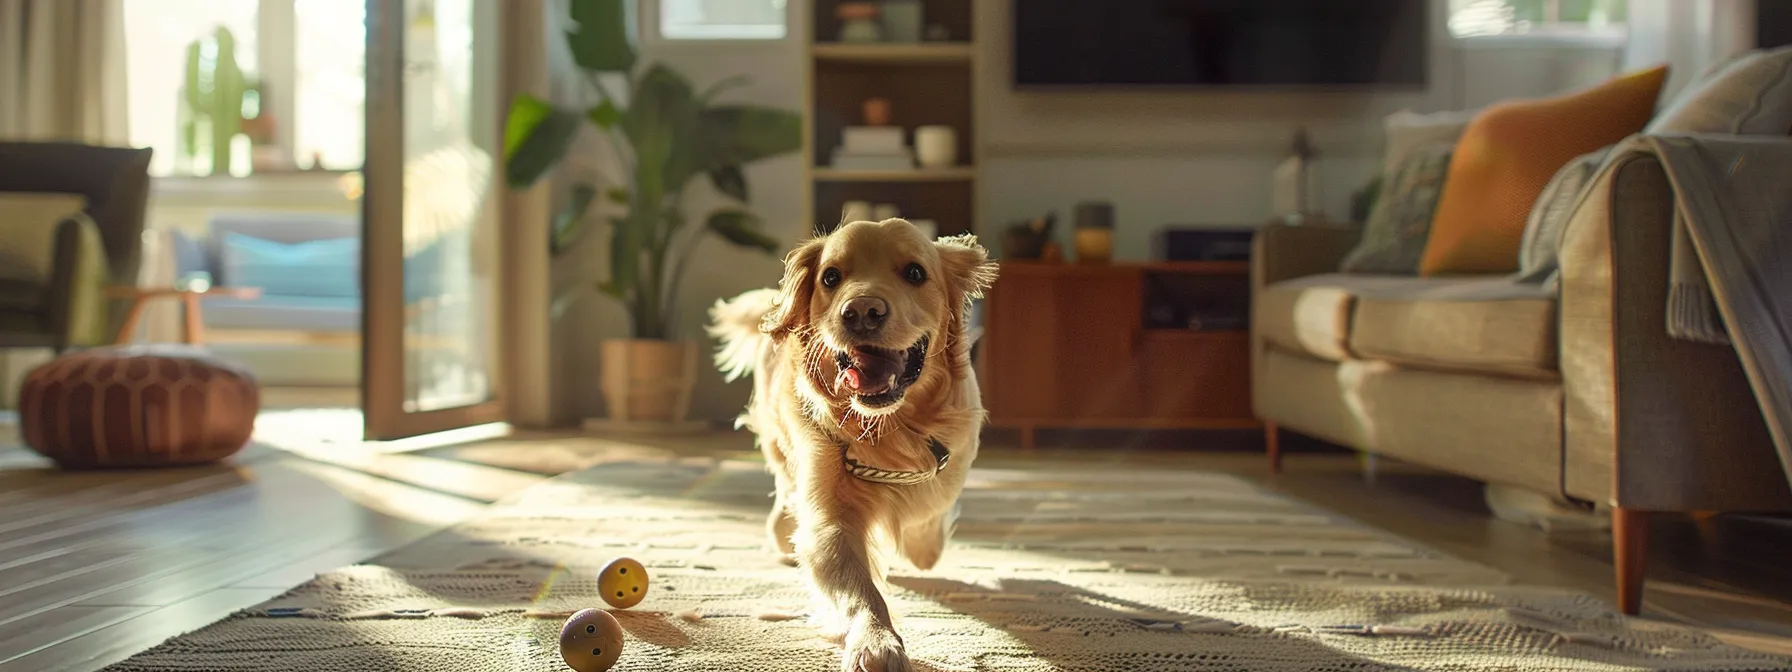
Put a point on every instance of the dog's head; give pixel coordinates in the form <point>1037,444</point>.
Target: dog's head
<point>880,310</point>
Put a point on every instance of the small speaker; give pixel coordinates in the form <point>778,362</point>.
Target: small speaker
<point>1202,244</point>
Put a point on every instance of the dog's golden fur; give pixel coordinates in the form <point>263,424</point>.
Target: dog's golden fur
<point>824,519</point>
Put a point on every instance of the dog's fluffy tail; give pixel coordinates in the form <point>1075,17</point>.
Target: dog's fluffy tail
<point>735,322</point>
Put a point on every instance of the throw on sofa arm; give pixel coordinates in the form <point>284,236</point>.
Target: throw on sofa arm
<point>79,310</point>
<point>1651,423</point>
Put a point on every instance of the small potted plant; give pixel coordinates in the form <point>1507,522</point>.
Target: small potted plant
<point>667,136</point>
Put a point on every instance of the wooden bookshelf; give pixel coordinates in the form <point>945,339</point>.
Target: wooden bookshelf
<point>927,83</point>
<point>958,174</point>
<point>836,52</point>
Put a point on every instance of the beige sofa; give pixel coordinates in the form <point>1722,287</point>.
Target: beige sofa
<point>1577,393</point>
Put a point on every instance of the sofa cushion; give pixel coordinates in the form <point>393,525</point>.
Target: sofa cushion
<point>1492,325</point>
<point>1312,314</point>
<point>283,313</point>
<point>1491,428</point>
<point>328,267</point>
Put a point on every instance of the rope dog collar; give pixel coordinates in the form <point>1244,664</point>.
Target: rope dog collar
<point>872,474</point>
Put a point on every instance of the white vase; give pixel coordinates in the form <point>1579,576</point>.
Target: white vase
<point>861,31</point>
<point>855,211</point>
<point>936,146</point>
<point>883,211</point>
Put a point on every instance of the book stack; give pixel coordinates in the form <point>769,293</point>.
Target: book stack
<point>873,148</point>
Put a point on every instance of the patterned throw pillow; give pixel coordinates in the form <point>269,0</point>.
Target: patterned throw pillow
<point>1408,132</point>
<point>1394,237</point>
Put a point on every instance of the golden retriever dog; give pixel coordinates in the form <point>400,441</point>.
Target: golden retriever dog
<point>867,410</point>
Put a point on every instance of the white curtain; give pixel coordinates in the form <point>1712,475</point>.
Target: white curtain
<point>1691,36</point>
<point>62,71</point>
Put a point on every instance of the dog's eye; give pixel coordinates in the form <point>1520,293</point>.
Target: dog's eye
<point>830,278</point>
<point>914,274</point>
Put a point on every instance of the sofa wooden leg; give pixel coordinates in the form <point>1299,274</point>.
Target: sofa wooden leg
<point>1272,444</point>
<point>1630,555</point>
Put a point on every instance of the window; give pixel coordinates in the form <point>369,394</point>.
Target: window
<point>329,56</point>
<point>304,58</point>
<point>722,19</point>
<point>157,35</point>
<point>1484,18</point>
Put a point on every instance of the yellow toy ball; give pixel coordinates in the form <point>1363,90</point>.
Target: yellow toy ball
<point>622,583</point>
<point>591,641</point>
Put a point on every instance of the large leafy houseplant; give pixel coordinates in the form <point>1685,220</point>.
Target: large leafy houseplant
<point>666,134</point>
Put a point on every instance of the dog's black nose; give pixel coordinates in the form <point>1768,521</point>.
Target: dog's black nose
<point>864,315</point>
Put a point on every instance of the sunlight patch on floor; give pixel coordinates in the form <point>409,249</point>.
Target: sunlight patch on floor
<point>325,429</point>
<point>309,428</point>
<point>383,496</point>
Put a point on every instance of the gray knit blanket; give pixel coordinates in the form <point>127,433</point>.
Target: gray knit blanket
<point>1730,269</point>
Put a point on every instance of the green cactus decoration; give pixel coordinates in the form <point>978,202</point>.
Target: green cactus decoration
<point>212,98</point>
<point>188,114</point>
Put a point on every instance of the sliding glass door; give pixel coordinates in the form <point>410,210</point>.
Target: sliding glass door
<point>430,253</point>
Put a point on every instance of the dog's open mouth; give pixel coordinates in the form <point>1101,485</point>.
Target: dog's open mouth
<point>878,377</point>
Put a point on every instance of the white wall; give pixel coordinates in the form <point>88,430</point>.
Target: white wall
<point>1196,158</point>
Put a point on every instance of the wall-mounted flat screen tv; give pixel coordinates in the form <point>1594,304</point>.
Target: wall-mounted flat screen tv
<point>1220,43</point>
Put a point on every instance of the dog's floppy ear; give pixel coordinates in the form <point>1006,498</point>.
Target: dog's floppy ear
<point>967,267</point>
<point>791,310</point>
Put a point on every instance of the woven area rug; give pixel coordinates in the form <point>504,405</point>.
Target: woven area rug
<point>1074,569</point>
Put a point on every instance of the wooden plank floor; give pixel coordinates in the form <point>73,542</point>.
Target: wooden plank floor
<point>97,566</point>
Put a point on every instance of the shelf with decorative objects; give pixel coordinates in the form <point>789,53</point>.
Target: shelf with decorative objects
<point>953,174</point>
<point>890,123</point>
<point>941,52</point>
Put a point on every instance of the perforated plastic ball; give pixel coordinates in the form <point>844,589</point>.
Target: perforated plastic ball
<point>622,583</point>
<point>591,641</point>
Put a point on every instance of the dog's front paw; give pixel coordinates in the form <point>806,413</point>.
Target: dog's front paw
<point>874,650</point>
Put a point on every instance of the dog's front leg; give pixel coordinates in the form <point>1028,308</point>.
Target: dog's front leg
<point>780,525</point>
<point>835,548</point>
<point>923,542</point>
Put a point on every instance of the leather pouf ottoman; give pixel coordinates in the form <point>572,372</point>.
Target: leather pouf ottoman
<point>138,406</point>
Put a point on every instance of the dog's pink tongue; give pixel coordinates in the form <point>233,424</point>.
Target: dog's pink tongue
<point>872,372</point>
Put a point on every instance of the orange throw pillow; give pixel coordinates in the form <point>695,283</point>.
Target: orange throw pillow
<point>1509,153</point>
